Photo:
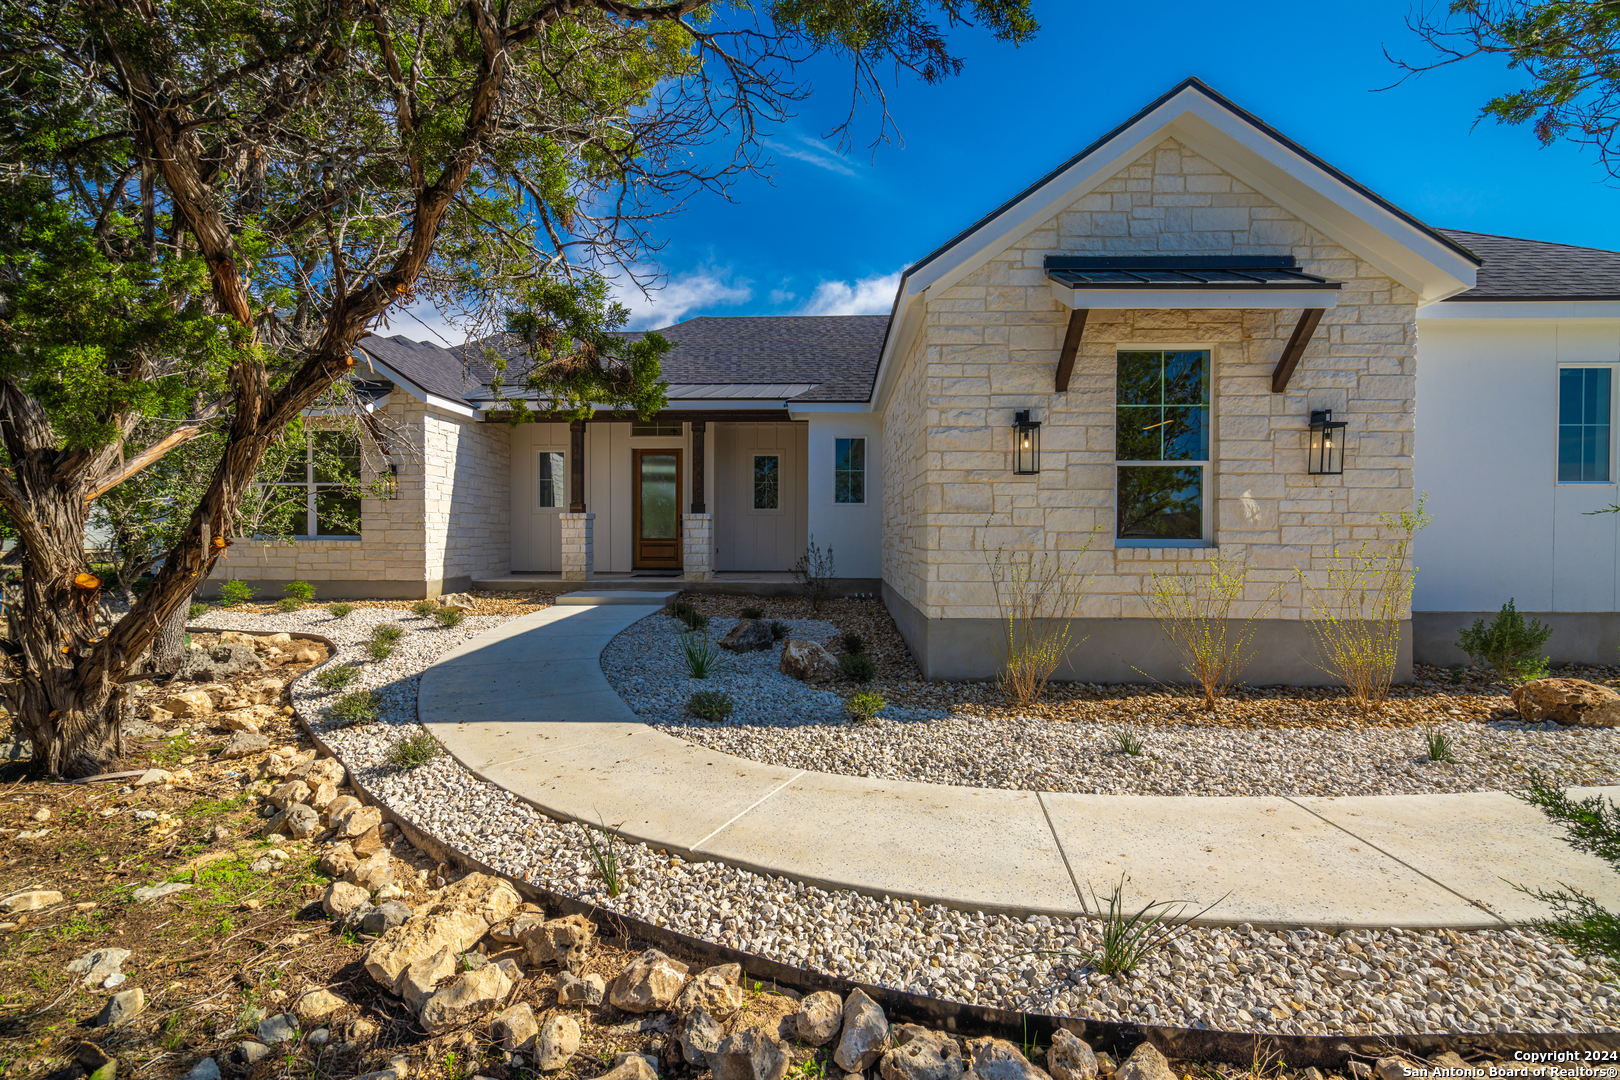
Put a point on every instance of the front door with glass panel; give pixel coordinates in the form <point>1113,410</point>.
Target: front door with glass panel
<point>657,501</point>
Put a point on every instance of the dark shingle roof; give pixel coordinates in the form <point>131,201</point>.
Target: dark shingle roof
<point>1521,270</point>
<point>836,353</point>
<point>431,367</point>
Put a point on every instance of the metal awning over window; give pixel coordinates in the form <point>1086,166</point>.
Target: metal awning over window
<point>1186,281</point>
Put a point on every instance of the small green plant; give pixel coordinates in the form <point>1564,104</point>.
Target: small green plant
<point>858,667</point>
<point>379,650</point>
<point>354,707</point>
<point>1037,595</point>
<point>1458,674</point>
<point>779,629</point>
<point>195,609</point>
<point>339,610</point>
<point>752,613</point>
<point>1439,745</point>
<point>336,676</point>
<point>1126,742</point>
<point>815,572</point>
<point>713,705</point>
<point>235,592</point>
<point>854,644</point>
<point>1510,645</point>
<point>604,849</point>
<point>1128,939</point>
<point>683,611</point>
<point>1591,825</point>
<point>865,705</point>
<point>387,633</point>
<point>1198,612</point>
<point>288,604</point>
<point>300,590</point>
<point>412,752</point>
<point>424,609</point>
<point>449,617</point>
<point>703,656</point>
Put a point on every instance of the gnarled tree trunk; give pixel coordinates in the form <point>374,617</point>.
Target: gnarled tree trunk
<point>170,647</point>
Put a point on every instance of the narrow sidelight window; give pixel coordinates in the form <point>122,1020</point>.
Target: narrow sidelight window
<point>766,491</point>
<point>1584,423</point>
<point>849,470</point>
<point>553,477</point>
<point>1161,445</point>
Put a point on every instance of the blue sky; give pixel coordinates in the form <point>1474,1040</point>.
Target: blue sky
<point>827,233</point>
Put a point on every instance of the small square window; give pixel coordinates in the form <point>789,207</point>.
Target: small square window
<point>552,480</point>
<point>767,492</point>
<point>849,470</point>
<point>1584,425</point>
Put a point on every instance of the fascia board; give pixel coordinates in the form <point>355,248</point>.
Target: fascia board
<point>449,406</point>
<point>1174,299</point>
<point>907,321</point>
<point>1522,309</point>
<point>380,368</point>
<point>797,407</point>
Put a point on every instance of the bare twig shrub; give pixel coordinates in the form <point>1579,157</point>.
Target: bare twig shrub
<point>1358,610</point>
<point>815,572</point>
<point>1037,594</point>
<point>1195,611</point>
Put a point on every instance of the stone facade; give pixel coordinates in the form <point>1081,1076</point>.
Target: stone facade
<point>989,346</point>
<point>578,547</point>
<point>697,546</point>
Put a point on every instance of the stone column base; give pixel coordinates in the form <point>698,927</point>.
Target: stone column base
<point>578,558</point>
<point>697,546</point>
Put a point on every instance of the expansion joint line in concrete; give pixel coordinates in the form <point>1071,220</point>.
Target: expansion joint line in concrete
<point>1396,858</point>
<point>1046,812</point>
<point>755,805</point>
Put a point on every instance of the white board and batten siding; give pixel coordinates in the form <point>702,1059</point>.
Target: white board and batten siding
<point>749,538</point>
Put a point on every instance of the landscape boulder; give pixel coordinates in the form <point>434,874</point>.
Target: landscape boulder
<point>284,795</point>
<point>422,935</point>
<point>717,990</point>
<point>1146,1063</point>
<point>280,1028</point>
<point>338,859</point>
<point>750,1054</point>
<point>866,1034</point>
<point>1567,701</point>
<point>819,1017</point>
<point>317,1006</point>
<point>749,635</point>
<point>483,895</point>
<point>375,872</point>
<point>573,990</point>
<point>95,966</point>
<point>807,662</point>
<point>921,1054</point>
<point>243,744</point>
<point>30,900</point>
<point>558,1042</point>
<point>998,1059</point>
<point>516,1029</point>
<point>122,1008</point>
<point>565,941</point>
<point>206,1069</point>
<point>633,1067</point>
<point>1070,1057</point>
<point>342,897</point>
<point>650,982</point>
<point>384,917</point>
<point>356,821</point>
<point>465,998</point>
<point>217,662</point>
<point>191,705</point>
<point>699,1036</point>
<point>418,982</point>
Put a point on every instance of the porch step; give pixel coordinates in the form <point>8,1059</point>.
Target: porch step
<point>662,598</point>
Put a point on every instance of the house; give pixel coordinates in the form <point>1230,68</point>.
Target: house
<point>1173,306</point>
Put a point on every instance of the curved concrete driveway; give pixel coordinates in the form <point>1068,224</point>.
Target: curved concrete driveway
<point>526,707</point>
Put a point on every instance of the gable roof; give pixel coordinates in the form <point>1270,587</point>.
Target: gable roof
<point>836,354</point>
<point>431,368</point>
<point>1526,270</point>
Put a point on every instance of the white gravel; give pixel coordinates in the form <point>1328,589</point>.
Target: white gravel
<point>1298,982</point>
<point>780,721</point>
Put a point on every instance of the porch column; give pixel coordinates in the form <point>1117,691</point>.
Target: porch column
<point>697,528</point>
<point>576,467</point>
<point>578,558</point>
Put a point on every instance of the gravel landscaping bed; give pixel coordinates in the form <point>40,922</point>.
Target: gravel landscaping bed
<point>1299,982</point>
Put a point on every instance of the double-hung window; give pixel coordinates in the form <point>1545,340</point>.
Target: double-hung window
<point>1585,425</point>
<point>1161,445</point>
<point>322,485</point>
<point>849,470</point>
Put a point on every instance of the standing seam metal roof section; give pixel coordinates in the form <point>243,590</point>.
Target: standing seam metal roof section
<point>1183,272</point>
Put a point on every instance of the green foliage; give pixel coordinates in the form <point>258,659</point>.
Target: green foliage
<point>424,609</point>
<point>1126,742</point>
<point>233,592</point>
<point>865,705</point>
<point>1037,595</point>
<point>604,852</point>
<point>387,633</point>
<point>300,590</point>
<point>752,613</point>
<point>195,609</point>
<point>854,644</point>
<point>713,705</point>
<point>339,610</point>
<point>815,572</point>
<point>1458,673</point>
<point>1439,745</point>
<point>412,752</point>
<point>1198,612</point>
<point>1509,645</point>
<point>449,617</point>
<point>336,676</point>
<point>289,604</point>
<point>691,616</point>
<point>861,668</point>
<point>357,706</point>
<point>779,629</point>
<point>703,655</point>
<point>1128,939</point>
<point>1591,825</point>
<point>379,650</point>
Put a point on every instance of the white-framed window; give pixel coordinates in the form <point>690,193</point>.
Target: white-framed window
<point>1162,426</point>
<point>327,476</point>
<point>767,482</point>
<point>1586,424</point>
<point>552,470</point>
<point>849,470</point>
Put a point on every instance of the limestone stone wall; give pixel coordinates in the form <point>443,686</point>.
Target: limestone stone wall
<point>989,347</point>
<point>467,502</point>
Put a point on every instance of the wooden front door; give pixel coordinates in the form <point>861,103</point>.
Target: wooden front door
<point>657,501</point>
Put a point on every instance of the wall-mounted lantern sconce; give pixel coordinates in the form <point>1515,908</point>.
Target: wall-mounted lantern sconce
<point>1027,448</point>
<point>1326,457</point>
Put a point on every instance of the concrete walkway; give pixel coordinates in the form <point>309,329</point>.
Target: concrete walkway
<point>526,707</point>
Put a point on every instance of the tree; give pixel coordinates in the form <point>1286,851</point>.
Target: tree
<point>1568,49</point>
<point>206,205</point>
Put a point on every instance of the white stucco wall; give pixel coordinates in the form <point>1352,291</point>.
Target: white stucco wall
<point>1487,454</point>
<point>853,531</point>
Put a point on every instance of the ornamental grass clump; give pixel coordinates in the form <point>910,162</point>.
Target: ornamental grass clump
<point>1511,646</point>
<point>412,752</point>
<point>1439,745</point>
<point>424,609</point>
<point>1037,595</point>
<point>703,655</point>
<point>1197,609</point>
<point>752,613</point>
<point>195,609</point>
<point>383,638</point>
<point>858,666</point>
<point>604,852</point>
<point>854,644</point>
<point>711,705</point>
<point>336,676</point>
<point>779,629</point>
<point>691,616</point>
<point>339,610</point>
<point>1359,604</point>
<point>449,617</point>
<point>288,604</point>
<point>355,707</point>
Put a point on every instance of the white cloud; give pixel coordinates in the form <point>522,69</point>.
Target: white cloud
<point>867,296</point>
<point>423,321</point>
<point>678,294</point>
<point>782,296</point>
<point>816,154</point>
